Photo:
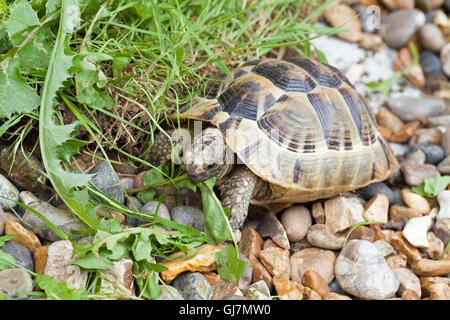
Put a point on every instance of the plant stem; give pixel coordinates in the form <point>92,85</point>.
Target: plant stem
<point>158,185</point>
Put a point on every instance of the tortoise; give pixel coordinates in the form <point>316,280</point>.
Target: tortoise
<point>299,129</point>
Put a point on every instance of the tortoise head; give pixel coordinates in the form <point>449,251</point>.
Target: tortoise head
<point>208,156</point>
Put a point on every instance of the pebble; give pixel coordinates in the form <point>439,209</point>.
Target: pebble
<point>314,281</point>
<point>21,253</point>
<point>342,213</point>
<point>107,181</point>
<point>319,260</point>
<point>320,235</point>
<point>223,288</point>
<point>384,247</point>
<point>121,274</point>
<point>362,233</point>
<point>310,294</point>
<point>444,166</point>
<point>415,174</point>
<point>287,290</point>
<point>375,188</point>
<point>415,231</point>
<point>335,296</point>
<point>445,59</point>
<point>417,158</point>
<point>371,42</point>
<point>400,25</point>
<point>259,272</point>
<point>366,18</point>
<point>398,4</point>
<point>410,295</point>
<point>8,190</point>
<point>427,282</point>
<point>362,271</point>
<point>318,212</point>
<point>430,4</point>
<point>439,291</point>
<point>436,246</point>
<point>13,280</point>
<point>445,141</point>
<point>271,227</point>
<point>188,216</point>
<point>193,286</point>
<point>22,235</point>
<point>276,261</point>
<point>296,220</point>
<point>258,291</point>
<point>169,293</point>
<point>246,278</point>
<point>25,172</point>
<point>444,205</point>
<point>40,259</point>
<point>400,213</point>
<point>415,108</point>
<point>62,219</point>
<point>397,261</point>
<point>389,120</point>
<point>408,281</point>
<point>377,208</point>
<point>431,37</point>
<point>203,260</point>
<point>155,208</point>
<point>442,230</point>
<point>4,218</point>
<point>415,201</point>
<point>342,15</point>
<point>426,136</point>
<point>430,62</point>
<point>431,268</point>
<point>251,242</point>
<point>59,259</point>
<point>405,61</point>
<point>433,153</point>
<point>399,242</point>
<point>234,297</point>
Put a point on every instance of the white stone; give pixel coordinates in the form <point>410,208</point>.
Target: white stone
<point>341,213</point>
<point>9,192</point>
<point>415,231</point>
<point>377,209</point>
<point>444,205</point>
<point>408,281</point>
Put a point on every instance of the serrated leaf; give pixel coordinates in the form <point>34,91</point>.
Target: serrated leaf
<point>24,99</point>
<point>431,187</point>
<point>21,17</point>
<point>59,290</point>
<point>229,266</point>
<point>51,6</point>
<point>35,55</point>
<point>91,262</point>
<point>142,246</point>
<point>69,148</point>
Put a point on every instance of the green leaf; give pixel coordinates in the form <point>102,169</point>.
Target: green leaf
<point>6,260</point>
<point>119,62</point>
<point>431,187</point>
<point>229,266</point>
<point>22,16</point>
<point>216,223</point>
<point>2,297</point>
<point>185,183</point>
<point>59,290</point>
<point>155,175</point>
<point>146,196</point>
<point>5,238</point>
<point>35,55</point>
<point>5,44</point>
<point>142,246</point>
<point>24,99</point>
<point>91,262</point>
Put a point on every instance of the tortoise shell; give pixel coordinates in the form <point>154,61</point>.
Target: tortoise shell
<point>300,125</point>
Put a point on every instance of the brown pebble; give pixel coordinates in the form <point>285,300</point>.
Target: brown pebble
<point>313,280</point>
<point>404,60</point>
<point>439,291</point>
<point>276,261</point>
<point>212,277</point>
<point>389,120</point>
<point>336,296</point>
<point>405,133</point>
<point>431,268</point>
<point>410,295</point>
<point>318,212</point>
<point>287,289</point>
<point>259,272</point>
<point>269,243</point>
<point>402,245</point>
<point>310,294</point>
<point>40,260</point>
<point>251,242</point>
<point>426,282</point>
<point>378,233</point>
<point>22,235</point>
<point>362,233</point>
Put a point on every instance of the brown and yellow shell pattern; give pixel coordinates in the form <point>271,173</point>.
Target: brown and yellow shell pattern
<point>300,125</point>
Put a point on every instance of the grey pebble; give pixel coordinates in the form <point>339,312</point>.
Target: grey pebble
<point>107,181</point>
<point>20,253</point>
<point>193,286</point>
<point>188,215</point>
<point>434,154</point>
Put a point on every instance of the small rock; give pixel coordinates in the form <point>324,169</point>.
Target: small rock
<point>374,188</point>
<point>405,61</point>
<point>434,154</point>
<point>270,226</point>
<point>416,174</point>
<point>310,294</point>
<point>251,242</point>
<point>224,288</point>
<point>401,244</point>
<point>416,158</point>
<point>121,273</point>
<point>25,171</point>
<point>259,272</point>
<point>431,37</point>
<point>415,108</point>
<point>400,26</point>
<point>212,277</point>
<point>415,201</point>
<point>59,265</point>
<point>193,286</point>
<point>444,205</point>
<point>415,231</point>
<point>444,166</point>
<point>372,42</point>
<point>258,291</point>
<point>397,261</point>
<point>445,59</point>
<point>13,280</point>
<point>268,243</point>
<point>399,149</point>
<point>442,230</point>
<point>127,183</point>
<point>431,268</point>
<point>362,233</point>
<point>427,282</point>
<point>20,253</point>
<point>384,247</point>
<point>436,246</point>
<point>408,281</point>
<point>335,296</point>
<point>22,235</point>
<point>404,134</point>
<point>399,213</point>
<point>4,218</point>
<point>134,204</point>
<point>366,18</point>
<point>319,260</point>
<point>276,261</point>
<point>429,4</point>
<point>439,291</point>
<point>342,213</point>
<point>40,259</point>
<point>286,289</point>
<point>156,208</point>
<point>389,120</point>
<point>8,190</point>
<point>426,136</point>
<point>410,295</point>
<point>318,213</point>
<point>107,181</point>
<point>234,297</point>
<point>319,235</point>
<point>398,4</point>
<point>246,278</point>
<point>340,14</point>
<point>430,62</point>
<point>313,280</point>
<point>296,220</point>
<point>189,216</point>
<point>202,261</point>
<point>169,293</point>
<point>360,261</point>
<point>377,208</point>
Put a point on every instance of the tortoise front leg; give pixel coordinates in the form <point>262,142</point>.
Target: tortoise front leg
<point>236,192</point>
